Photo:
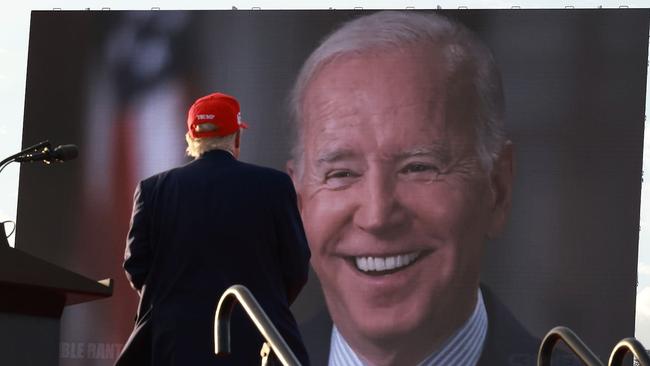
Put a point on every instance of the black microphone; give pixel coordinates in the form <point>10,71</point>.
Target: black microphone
<point>63,153</point>
<point>60,154</point>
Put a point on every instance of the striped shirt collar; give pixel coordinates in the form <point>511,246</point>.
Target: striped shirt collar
<point>464,347</point>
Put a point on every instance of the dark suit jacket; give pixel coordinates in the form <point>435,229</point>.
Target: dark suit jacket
<point>507,342</point>
<point>198,229</point>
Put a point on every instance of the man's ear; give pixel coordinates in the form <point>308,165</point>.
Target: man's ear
<point>237,136</point>
<point>501,181</point>
<point>291,170</point>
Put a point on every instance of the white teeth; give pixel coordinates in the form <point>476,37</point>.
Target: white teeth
<point>380,264</point>
<point>390,263</point>
<point>362,263</point>
<point>367,264</point>
<point>371,264</point>
<point>399,262</point>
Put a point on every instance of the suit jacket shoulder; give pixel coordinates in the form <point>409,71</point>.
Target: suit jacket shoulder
<point>507,341</point>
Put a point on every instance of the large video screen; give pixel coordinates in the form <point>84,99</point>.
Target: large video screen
<point>564,250</point>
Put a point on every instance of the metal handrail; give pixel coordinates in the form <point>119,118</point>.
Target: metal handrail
<point>239,293</point>
<point>629,345</point>
<point>572,340</point>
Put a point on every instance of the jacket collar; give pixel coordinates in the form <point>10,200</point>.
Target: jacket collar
<point>217,154</point>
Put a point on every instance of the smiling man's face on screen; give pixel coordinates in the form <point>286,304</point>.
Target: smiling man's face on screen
<point>394,197</point>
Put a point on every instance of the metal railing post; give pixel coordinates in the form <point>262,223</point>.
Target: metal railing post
<point>239,293</point>
<point>572,340</point>
<point>629,345</point>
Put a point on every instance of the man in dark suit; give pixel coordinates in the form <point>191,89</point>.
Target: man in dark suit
<point>403,171</point>
<point>200,228</point>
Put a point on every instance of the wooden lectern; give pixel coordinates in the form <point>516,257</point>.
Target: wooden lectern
<point>33,293</point>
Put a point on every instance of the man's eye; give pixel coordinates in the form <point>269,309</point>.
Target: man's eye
<point>421,172</point>
<point>418,168</point>
<point>340,178</point>
<point>339,174</point>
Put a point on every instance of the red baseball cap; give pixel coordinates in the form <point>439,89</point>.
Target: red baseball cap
<point>217,109</point>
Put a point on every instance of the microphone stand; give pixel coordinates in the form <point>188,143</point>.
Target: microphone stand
<point>42,146</point>
<point>4,240</point>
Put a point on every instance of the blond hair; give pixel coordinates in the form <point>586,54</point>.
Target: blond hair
<point>198,146</point>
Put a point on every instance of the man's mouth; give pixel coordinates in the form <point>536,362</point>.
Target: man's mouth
<point>385,265</point>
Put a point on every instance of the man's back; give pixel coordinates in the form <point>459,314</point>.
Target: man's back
<point>208,225</point>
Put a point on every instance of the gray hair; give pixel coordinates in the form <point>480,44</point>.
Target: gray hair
<point>389,30</point>
<point>199,146</point>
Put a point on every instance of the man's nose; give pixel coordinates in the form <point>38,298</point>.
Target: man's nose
<point>379,209</point>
